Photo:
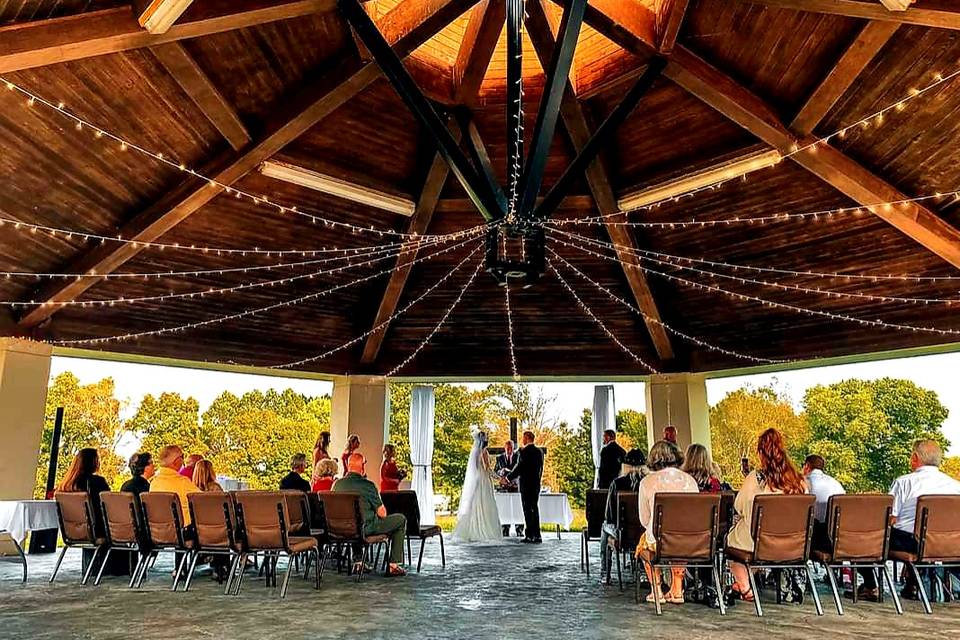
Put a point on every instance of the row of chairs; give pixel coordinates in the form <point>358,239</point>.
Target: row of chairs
<point>691,530</point>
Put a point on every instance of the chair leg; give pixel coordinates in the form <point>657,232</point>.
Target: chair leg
<point>655,585</point>
<point>190,569</point>
<point>921,590</point>
<point>93,561</point>
<point>619,570</point>
<point>240,574</point>
<point>103,565</point>
<point>319,560</point>
<point>56,567</point>
<point>148,562</point>
<point>834,589</point>
<point>813,589</point>
<point>286,576</point>
<point>586,555</point>
<point>231,572</point>
<point>323,562</point>
<point>136,569</point>
<point>893,590</point>
<point>420,559</point>
<point>719,587</point>
<point>409,552</point>
<point>443,553</point>
<point>756,592</point>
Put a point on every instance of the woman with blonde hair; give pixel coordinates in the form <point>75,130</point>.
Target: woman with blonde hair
<point>353,444</point>
<point>698,464</point>
<point>204,476</point>
<point>390,474</point>
<point>324,474</point>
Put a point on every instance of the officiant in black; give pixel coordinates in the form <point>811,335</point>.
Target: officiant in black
<point>611,459</point>
<point>507,462</point>
<point>529,471</point>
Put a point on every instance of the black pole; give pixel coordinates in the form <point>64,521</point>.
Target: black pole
<point>54,452</point>
<point>514,96</point>
<point>513,430</point>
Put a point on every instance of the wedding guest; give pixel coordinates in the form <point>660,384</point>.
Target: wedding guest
<point>204,476</point>
<point>504,464</point>
<point>294,480</point>
<point>665,476</point>
<point>353,444</point>
<point>82,477</point>
<point>325,474</point>
<point>375,518</point>
<point>142,469</point>
<point>390,475</point>
<point>633,471</point>
<point>168,478</point>
<point>321,446</point>
<point>670,434</point>
<point>718,474</point>
<point>187,470</point>
<point>698,464</point>
<point>776,474</point>
<point>611,459</point>
<point>822,487</point>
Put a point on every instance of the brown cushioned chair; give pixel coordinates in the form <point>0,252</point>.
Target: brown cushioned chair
<point>123,528</point>
<point>264,519</point>
<point>937,529</point>
<point>595,512</point>
<point>858,532</point>
<point>345,525</point>
<point>405,502</point>
<point>77,528</point>
<point>215,532</point>
<point>164,532</point>
<point>782,531</point>
<point>629,531</point>
<point>685,527</point>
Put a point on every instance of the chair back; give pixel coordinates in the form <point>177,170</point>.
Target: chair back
<point>595,511</point>
<point>685,525</point>
<point>782,528</point>
<point>213,518</point>
<point>727,499</point>
<point>75,512</point>
<point>404,502</point>
<point>264,519</point>
<point>938,528</point>
<point>859,526</point>
<point>163,517</point>
<point>298,511</point>
<point>318,519</point>
<point>120,517</point>
<point>342,511</point>
<point>628,520</point>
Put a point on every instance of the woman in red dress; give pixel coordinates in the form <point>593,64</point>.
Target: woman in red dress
<point>324,475</point>
<point>390,475</point>
<point>353,443</point>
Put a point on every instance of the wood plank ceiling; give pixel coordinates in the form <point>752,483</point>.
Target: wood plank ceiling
<point>235,83</point>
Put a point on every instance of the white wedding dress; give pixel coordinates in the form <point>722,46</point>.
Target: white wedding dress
<point>477,519</point>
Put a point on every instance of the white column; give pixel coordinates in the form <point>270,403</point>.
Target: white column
<point>604,416</point>
<point>678,399</point>
<point>24,377</point>
<point>360,405</point>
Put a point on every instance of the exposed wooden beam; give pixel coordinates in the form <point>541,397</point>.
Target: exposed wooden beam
<point>858,55</point>
<point>44,42</point>
<point>669,19</point>
<point>345,77</point>
<point>598,179</point>
<point>157,16</point>
<point>476,50</point>
<point>195,83</point>
<point>609,83</point>
<point>944,14</point>
<point>462,205</point>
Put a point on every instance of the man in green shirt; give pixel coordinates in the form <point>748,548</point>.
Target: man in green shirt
<point>375,518</point>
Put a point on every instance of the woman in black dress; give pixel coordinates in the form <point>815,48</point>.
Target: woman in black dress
<point>141,466</point>
<point>82,476</point>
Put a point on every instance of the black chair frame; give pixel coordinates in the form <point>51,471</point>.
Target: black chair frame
<point>88,510</point>
<point>182,555</point>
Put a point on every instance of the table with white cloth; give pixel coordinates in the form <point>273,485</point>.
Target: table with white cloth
<point>18,517</point>
<point>554,509</point>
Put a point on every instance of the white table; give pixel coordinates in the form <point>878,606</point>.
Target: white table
<point>18,517</point>
<point>554,509</point>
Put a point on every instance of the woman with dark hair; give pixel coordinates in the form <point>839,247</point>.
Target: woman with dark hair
<point>320,452</point>
<point>775,474</point>
<point>142,469</point>
<point>82,476</point>
<point>390,475</point>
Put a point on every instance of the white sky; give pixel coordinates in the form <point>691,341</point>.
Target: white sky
<point>133,381</point>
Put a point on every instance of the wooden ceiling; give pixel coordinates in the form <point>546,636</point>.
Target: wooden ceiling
<point>234,83</point>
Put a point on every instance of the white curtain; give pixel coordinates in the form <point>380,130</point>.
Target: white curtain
<point>604,417</point>
<point>421,450</point>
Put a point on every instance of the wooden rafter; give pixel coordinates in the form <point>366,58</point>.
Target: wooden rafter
<point>195,83</point>
<point>157,16</point>
<point>669,20</point>
<point>858,55</point>
<point>476,50</point>
<point>598,179</point>
<point>927,13</point>
<point>345,78</point>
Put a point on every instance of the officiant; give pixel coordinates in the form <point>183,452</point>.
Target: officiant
<point>507,462</point>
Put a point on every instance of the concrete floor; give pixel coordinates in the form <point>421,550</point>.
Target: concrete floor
<point>497,591</point>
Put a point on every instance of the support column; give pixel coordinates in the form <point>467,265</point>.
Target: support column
<point>24,377</point>
<point>360,405</point>
<point>678,399</point>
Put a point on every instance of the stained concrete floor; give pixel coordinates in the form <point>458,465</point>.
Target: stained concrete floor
<point>497,591</point>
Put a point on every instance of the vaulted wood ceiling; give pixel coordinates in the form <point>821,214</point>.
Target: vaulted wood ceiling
<point>235,83</point>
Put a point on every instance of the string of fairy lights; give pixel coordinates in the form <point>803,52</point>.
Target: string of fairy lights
<point>514,371</point>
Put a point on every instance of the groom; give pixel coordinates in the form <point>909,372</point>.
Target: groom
<point>529,470</point>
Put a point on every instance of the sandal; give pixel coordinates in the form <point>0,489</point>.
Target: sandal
<point>652,600</point>
<point>746,596</point>
<point>674,599</point>
<point>395,572</point>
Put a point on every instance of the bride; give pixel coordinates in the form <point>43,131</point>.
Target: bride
<point>477,519</point>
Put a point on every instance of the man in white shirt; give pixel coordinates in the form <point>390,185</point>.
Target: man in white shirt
<point>821,486</point>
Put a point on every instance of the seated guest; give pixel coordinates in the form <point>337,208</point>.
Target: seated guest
<point>142,469</point>
<point>822,487</point>
<point>187,469</point>
<point>168,478</point>
<point>925,479</point>
<point>718,474</point>
<point>82,477</point>
<point>776,474</point>
<point>204,476</point>
<point>390,475</point>
<point>670,434</point>
<point>353,444</point>
<point>611,459</point>
<point>665,476</point>
<point>294,480</point>
<point>375,518</point>
<point>633,472</point>
<point>325,474</point>
<point>697,464</point>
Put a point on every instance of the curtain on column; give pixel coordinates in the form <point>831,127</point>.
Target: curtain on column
<point>604,417</point>
<point>421,450</point>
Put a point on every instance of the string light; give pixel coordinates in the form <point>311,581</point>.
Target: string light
<point>442,321</point>
<point>599,322</point>
<point>513,355</point>
<point>647,318</point>
<point>386,322</point>
<point>251,312</point>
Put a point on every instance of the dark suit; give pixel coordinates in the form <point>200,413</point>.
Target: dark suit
<point>611,460</point>
<point>529,470</point>
<point>504,465</point>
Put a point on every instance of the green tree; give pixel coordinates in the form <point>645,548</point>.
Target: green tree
<point>632,430</point>
<point>573,460</point>
<point>865,429</point>
<point>168,419</point>
<point>951,466</point>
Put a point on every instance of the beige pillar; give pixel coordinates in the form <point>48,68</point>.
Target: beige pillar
<point>24,376</point>
<point>678,399</point>
<point>361,405</point>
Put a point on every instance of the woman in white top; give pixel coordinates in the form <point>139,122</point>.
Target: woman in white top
<point>664,461</point>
